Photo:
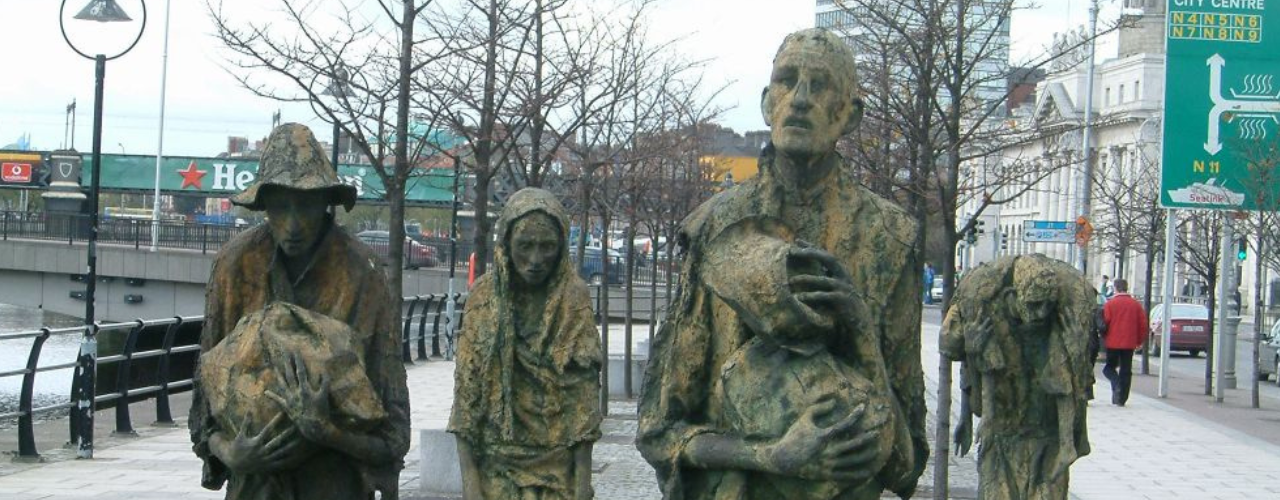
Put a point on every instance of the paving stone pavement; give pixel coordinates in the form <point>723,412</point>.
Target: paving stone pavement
<point>1146,450</point>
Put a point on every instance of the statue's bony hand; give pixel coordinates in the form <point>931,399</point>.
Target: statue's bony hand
<point>256,452</point>
<point>306,404</point>
<point>837,452</point>
<point>808,258</point>
<point>826,295</point>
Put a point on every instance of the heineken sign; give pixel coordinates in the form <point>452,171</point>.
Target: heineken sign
<point>222,177</point>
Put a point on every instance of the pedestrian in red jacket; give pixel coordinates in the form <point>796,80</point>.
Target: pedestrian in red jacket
<point>1126,329</point>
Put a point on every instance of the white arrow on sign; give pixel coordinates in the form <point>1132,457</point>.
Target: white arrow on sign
<point>1221,104</point>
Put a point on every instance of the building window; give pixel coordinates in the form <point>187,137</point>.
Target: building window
<point>1122,92</point>
<point>1136,94</point>
<point>1108,93</point>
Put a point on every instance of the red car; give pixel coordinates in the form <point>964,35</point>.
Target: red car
<point>416,255</point>
<point>1189,330</point>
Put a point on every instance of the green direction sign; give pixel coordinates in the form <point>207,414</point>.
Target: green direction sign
<point>223,177</point>
<point>1222,102</point>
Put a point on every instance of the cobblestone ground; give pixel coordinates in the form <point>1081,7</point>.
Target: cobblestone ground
<point>962,472</point>
<point>620,472</point>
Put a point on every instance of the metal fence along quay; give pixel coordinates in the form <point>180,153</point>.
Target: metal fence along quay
<point>157,358</point>
<point>74,228</point>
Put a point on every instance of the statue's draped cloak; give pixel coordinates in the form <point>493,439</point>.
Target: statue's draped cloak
<point>343,281</point>
<point>1023,381</point>
<point>871,237</point>
<point>523,400</point>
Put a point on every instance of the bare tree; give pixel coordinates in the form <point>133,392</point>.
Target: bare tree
<point>936,74</point>
<point>470,86</point>
<point>1200,251</point>
<point>1261,231</point>
<point>354,66</point>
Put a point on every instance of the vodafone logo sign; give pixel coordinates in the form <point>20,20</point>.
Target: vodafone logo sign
<point>15,172</point>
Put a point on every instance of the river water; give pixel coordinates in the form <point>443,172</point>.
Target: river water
<point>50,387</point>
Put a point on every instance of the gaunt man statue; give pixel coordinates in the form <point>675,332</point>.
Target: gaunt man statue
<point>803,270</point>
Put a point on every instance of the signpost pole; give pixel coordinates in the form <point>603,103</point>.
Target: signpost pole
<point>1170,244</point>
<point>1220,346</point>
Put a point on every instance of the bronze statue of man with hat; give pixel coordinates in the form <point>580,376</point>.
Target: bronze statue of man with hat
<point>300,392</point>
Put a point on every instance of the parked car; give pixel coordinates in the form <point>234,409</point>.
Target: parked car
<point>935,291</point>
<point>416,255</point>
<point>1269,354</point>
<point>592,267</point>
<point>1189,328</point>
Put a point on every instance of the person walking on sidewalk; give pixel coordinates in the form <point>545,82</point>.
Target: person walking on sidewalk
<point>1126,325</point>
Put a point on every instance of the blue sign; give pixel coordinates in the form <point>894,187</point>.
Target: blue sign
<point>1048,231</point>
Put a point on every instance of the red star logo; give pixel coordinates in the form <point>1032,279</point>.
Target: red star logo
<point>191,176</point>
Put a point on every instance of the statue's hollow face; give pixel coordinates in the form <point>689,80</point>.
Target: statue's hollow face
<point>295,217</point>
<point>535,248</point>
<point>810,101</point>
<point>1037,305</point>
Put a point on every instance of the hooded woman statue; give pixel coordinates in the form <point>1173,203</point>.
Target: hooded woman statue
<point>525,407</point>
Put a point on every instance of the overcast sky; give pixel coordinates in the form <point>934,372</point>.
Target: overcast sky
<point>205,105</point>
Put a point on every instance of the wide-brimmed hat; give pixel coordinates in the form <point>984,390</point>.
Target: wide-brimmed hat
<point>294,159</point>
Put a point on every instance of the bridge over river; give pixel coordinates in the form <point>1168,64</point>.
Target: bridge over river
<point>43,265</point>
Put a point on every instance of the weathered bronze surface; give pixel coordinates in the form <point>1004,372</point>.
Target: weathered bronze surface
<point>300,391</point>
<point>1020,327</point>
<point>789,366</point>
<point>526,400</point>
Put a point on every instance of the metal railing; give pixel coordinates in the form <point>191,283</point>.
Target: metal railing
<point>157,359</point>
<point>87,366</point>
<point>424,320</point>
<point>73,228</point>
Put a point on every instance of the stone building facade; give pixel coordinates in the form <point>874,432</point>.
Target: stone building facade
<point>1128,103</point>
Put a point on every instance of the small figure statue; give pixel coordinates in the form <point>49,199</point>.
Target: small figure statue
<point>300,392</point>
<point>831,295</point>
<point>527,383</point>
<point>1020,327</point>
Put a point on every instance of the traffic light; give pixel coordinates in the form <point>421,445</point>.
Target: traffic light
<point>980,227</point>
<point>1004,241</point>
<point>1242,249</point>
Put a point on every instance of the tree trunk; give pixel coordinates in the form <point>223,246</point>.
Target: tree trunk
<point>535,135</point>
<point>1261,276</point>
<point>395,191</point>
<point>484,227</point>
<point>1260,273</point>
<point>603,291</point>
<point>653,284</point>
<point>1146,303</point>
<point>631,295</point>
<point>485,169</point>
<point>1213,332</point>
<point>395,268</point>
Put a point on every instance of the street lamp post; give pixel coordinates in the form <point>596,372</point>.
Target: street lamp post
<point>452,304</point>
<point>103,11</point>
<point>338,89</point>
